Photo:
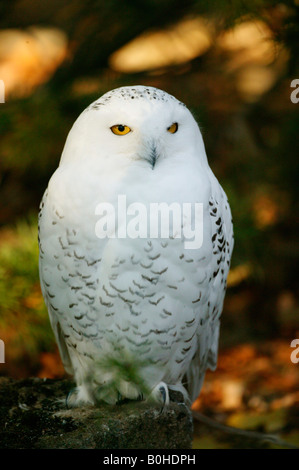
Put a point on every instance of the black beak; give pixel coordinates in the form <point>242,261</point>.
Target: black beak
<point>153,156</point>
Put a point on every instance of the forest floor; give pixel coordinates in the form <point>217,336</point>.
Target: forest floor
<point>255,387</point>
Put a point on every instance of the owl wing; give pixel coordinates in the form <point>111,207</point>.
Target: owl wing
<point>54,320</point>
<point>206,353</point>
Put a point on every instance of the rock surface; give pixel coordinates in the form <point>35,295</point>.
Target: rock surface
<point>33,415</point>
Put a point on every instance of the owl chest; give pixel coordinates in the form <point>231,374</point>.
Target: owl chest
<point>127,278</point>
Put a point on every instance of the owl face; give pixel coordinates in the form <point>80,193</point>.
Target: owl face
<point>133,126</point>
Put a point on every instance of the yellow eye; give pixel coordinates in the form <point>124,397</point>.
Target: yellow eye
<point>173,128</point>
<point>119,129</point>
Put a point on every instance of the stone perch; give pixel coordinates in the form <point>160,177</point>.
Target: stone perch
<point>33,415</point>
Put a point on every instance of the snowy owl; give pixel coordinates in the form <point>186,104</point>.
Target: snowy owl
<point>135,238</point>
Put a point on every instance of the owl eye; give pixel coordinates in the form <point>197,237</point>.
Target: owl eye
<point>120,129</point>
<point>173,128</point>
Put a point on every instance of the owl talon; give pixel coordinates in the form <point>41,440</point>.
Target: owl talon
<point>163,391</point>
<point>160,395</point>
<point>119,398</point>
<point>164,394</point>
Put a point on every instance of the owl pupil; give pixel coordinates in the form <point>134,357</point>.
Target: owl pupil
<point>121,128</point>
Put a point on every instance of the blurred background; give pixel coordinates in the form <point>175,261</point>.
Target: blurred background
<point>232,63</point>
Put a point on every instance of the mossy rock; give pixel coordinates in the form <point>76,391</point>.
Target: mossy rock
<point>33,415</point>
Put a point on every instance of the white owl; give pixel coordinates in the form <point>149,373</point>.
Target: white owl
<point>146,303</point>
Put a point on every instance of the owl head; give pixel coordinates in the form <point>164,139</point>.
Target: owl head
<point>134,126</point>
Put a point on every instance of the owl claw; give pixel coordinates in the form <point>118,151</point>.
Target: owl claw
<point>164,394</point>
<point>160,395</point>
<point>119,398</point>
